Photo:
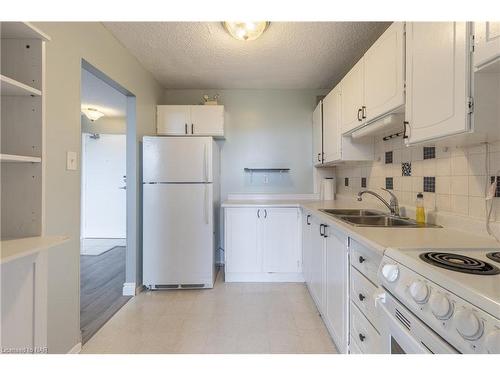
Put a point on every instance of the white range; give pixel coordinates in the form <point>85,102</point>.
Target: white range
<point>440,300</point>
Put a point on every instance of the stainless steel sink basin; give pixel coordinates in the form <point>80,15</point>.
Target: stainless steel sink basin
<point>352,212</point>
<point>384,221</point>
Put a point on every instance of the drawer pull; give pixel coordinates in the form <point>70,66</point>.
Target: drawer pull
<point>361,297</point>
<point>361,259</point>
<point>362,337</point>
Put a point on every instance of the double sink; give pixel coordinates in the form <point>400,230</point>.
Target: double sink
<point>374,218</point>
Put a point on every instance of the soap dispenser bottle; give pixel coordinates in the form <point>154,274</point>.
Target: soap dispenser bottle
<point>420,215</point>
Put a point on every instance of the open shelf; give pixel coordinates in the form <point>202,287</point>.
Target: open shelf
<point>22,30</point>
<point>11,87</point>
<point>7,158</point>
<point>21,247</point>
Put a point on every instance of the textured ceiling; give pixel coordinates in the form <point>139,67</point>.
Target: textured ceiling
<point>99,95</point>
<point>289,55</point>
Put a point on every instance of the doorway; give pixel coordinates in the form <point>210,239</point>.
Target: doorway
<point>104,233</point>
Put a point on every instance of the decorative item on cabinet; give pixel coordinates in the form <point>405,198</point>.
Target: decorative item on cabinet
<point>207,100</point>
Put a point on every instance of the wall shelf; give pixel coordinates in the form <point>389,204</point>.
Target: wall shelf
<point>11,87</point>
<point>267,170</point>
<point>22,30</point>
<point>7,158</point>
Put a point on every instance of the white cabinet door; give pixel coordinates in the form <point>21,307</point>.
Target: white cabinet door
<point>487,43</point>
<point>437,80</point>
<point>317,265</point>
<point>337,286</point>
<point>306,247</point>
<point>207,120</point>
<point>331,126</point>
<point>384,73</point>
<point>281,250</point>
<point>318,134</point>
<point>352,98</point>
<point>173,119</point>
<point>242,249</point>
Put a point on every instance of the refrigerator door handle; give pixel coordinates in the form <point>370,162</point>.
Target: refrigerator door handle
<point>206,204</point>
<point>205,164</point>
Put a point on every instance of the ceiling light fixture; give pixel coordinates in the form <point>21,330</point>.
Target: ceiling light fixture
<point>246,30</point>
<point>92,114</point>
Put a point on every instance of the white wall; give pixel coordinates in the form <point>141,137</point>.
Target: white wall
<point>70,43</point>
<point>263,128</point>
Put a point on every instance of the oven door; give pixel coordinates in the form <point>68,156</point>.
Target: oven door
<point>403,333</point>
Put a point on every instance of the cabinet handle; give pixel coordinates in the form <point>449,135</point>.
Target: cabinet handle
<point>324,230</point>
<point>405,124</point>
<point>307,220</point>
<point>361,297</point>
<point>265,214</point>
<point>320,230</point>
<point>318,157</point>
<point>362,337</point>
<point>360,112</point>
<point>192,128</point>
<point>363,112</point>
<point>361,259</point>
<point>185,128</point>
<point>322,157</point>
<point>258,213</point>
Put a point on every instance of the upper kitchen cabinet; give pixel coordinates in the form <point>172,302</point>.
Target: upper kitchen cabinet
<point>317,156</point>
<point>438,99</point>
<point>384,74</point>
<point>352,98</point>
<point>203,120</point>
<point>486,43</point>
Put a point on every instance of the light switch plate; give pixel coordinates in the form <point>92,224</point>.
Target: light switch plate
<point>71,164</point>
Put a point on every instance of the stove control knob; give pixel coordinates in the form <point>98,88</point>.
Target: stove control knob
<point>440,305</point>
<point>390,272</point>
<point>492,342</point>
<point>468,324</point>
<point>419,291</point>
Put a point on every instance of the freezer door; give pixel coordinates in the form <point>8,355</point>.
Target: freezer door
<point>178,241</point>
<point>177,159</point>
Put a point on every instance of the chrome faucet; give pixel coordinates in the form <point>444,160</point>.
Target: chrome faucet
<point>393,206</point>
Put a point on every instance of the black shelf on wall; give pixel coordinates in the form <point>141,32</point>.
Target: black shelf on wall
<point>279,170</point>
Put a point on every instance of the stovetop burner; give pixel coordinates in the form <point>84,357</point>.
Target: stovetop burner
<point>494,256</point>
<point>459,263</point>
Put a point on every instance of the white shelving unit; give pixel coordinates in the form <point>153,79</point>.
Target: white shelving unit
<point>23,243</point>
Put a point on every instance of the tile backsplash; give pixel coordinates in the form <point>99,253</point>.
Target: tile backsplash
<point>455,178</point>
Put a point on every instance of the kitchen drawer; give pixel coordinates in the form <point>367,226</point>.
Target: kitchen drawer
<point>353,348</point>
<point>362,291</point>
<point>365,261</point>
<point>363,334</point>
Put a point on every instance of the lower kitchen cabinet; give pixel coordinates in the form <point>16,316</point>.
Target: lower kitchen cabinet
<point>262,244</point>
<point>317,264</point>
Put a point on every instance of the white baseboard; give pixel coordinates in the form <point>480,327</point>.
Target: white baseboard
<point>263,277</point>
<point>129,289</point>
<point>76,349</point>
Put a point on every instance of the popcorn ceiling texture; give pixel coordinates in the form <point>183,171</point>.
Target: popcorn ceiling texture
<point>289,55</point>
<point>459,173</point>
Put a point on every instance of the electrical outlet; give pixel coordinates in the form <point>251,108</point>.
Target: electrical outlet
<point>497,192</point>
<point>71,162</point>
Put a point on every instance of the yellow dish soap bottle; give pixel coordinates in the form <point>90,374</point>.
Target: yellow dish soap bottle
<point>420,216</point>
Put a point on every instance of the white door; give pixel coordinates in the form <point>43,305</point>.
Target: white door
<point>384,73</point>
<point>242,237</point>
<point>280,243</point>
<point>207,120</point>
<point>317,265</point>
<point>487,43</point>
<point>178,244</point>
<point>306,247</point>
<point>177,159</point>
<point>337,286</point>
<point>318,135</point>
<point>331,126</point>
<point>173,119</point>
<point>437,80</point>
<point>352,98</point>
<point>103,186</point>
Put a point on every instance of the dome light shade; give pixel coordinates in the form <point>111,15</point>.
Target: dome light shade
<point>246,30</point>
<point>92,114</point>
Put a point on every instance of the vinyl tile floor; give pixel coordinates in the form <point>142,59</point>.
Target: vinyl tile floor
<point>230,318</point>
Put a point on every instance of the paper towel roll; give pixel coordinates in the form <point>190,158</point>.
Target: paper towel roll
<point>327,192</point>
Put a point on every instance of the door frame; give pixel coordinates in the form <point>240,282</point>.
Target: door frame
<point>133,272</point>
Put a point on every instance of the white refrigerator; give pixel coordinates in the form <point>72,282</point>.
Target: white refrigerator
<point>180,211</point>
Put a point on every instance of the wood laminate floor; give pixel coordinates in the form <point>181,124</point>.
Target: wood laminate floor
<point>101,284</point>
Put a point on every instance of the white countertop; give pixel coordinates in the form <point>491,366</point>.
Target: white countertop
<point>378,238</point>
<point>21,247</point>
